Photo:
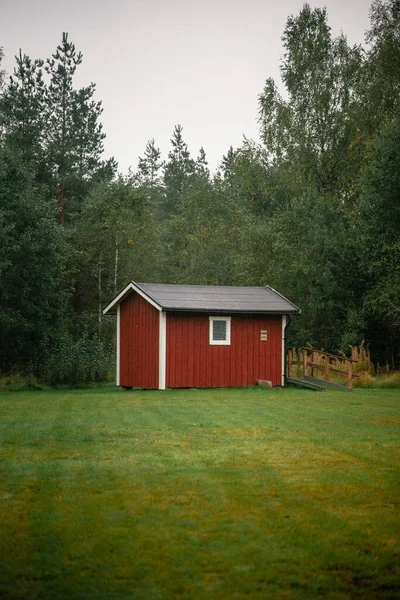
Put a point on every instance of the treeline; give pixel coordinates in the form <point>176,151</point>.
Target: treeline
<point>314,210</point>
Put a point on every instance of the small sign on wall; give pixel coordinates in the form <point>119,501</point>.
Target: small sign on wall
<point>264,335</point>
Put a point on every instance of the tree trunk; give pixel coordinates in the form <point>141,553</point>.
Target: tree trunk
<point>116,266</point>
<point>62,201</point>
<point>100,297</point>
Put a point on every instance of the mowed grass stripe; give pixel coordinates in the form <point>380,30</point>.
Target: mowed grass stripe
<point>195,494</point>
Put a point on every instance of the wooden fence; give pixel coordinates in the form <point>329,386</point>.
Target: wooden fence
<point>313,362</point>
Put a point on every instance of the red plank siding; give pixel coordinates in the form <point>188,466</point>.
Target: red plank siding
<point>139,335</point>
<point>193,362</point>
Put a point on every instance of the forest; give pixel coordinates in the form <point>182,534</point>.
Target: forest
<point>313,210</point>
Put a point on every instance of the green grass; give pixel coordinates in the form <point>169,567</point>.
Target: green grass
<point>211,494</point>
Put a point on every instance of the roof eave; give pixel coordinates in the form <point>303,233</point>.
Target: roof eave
<point>223,311</point>
<point>296,310</point>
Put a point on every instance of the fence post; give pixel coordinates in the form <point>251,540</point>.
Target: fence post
<point>350,375</point>
<point>304,362</point>
<point>313,360</point>
<point>289,361</point>
<point>327,367</point>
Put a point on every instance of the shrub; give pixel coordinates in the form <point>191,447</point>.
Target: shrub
<point>19,383</point>
<point>363,357</point>
<point>366,380</point>
<point>82,360</point>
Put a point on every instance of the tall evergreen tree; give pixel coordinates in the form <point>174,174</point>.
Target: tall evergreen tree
<point>1,70</point>
<point>74,135</point>
<point>23,106</point>
<point>150,165</point>
<point>177,170</point>
<point>201,165</point>
<point>31,265</point>
<point>227,161</point>
<point>150,178</point>
<point>61,69</point>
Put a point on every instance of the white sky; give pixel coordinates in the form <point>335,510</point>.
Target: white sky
<point>199,63</point>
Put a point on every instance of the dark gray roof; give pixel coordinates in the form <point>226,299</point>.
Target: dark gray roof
<point>221,299</point>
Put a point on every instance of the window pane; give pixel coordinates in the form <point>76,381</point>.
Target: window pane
<point>219,331</point>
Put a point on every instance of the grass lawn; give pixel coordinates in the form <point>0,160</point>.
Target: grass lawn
<point>211,494</point>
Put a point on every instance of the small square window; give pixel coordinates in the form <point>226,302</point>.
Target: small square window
<point>220,331</point>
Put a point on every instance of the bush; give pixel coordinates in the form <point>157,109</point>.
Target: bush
<point>387,381</point>
<point>363,357</point>
<point>19,383</point>
<point>82,360</point>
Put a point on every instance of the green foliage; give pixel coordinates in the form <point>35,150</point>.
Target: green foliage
<point>116,240</point>
<point>333,243</point>
<point>306,252</point>
<point>206,241</point>
<point>313,128</point>
<point>388,381</point>
<point>22,108</point>
<point>2,73</point>
<point>20,383</point>
<point>254,182</point>
<point>50,146</point>
<point>380,222</point>
<point>177,170</point>
<point>55,125</point>
<point>381,77</point>
<point>74,136</point>
<point>312,211</point>
<point>31,264</point>
<point>150,165</point>
<point>82,360</point>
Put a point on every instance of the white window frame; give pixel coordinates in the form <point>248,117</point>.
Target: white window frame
<point>227,340</point>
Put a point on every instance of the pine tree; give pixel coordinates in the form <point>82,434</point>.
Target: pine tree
<point>201,166</point>
<point>22,108</point>
<point>227,162</point>
<point>2,72</point>
<point>177,171</point>
<point>31,264</point>
<point>74,135</point>
<point>150,165</point>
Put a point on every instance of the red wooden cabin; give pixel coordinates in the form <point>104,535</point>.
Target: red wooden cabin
<point>183,336</point>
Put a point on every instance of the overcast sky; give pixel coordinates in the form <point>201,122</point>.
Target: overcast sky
<point>199,63</point>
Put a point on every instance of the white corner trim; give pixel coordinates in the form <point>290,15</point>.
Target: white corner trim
<point>118,342</point>
<point>226,342</point>
<point>162,350</point>
<point>283,349</point>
